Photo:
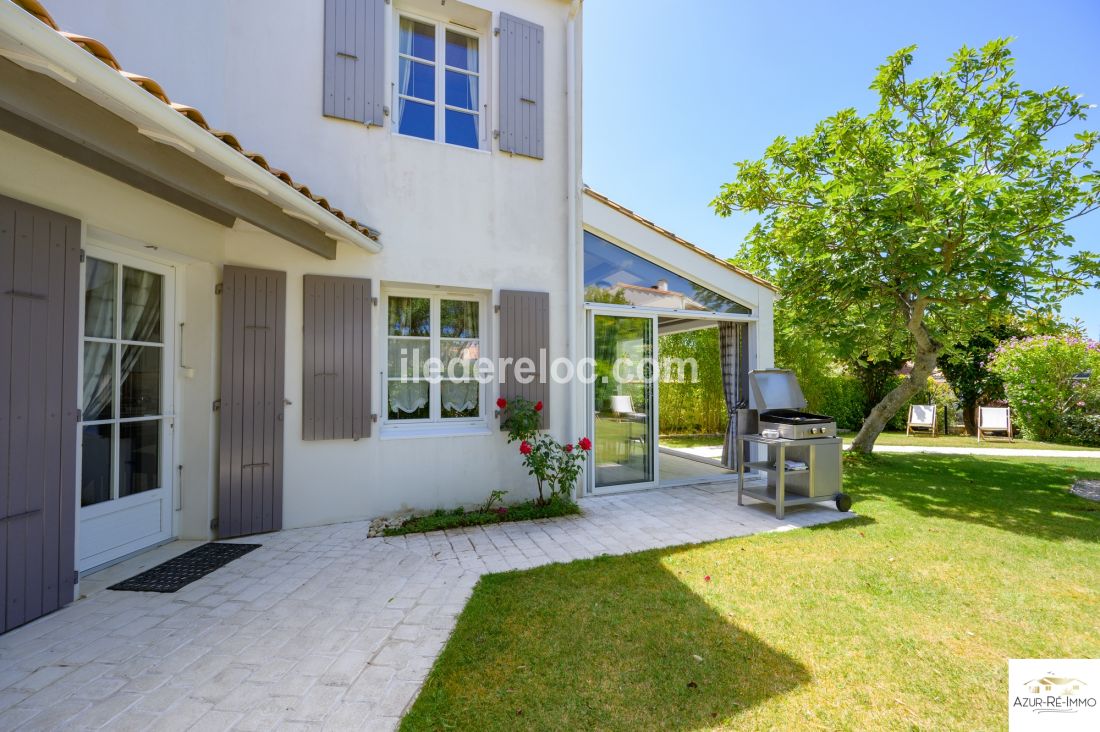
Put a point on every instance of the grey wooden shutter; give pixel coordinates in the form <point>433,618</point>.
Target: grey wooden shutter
<point>336,358</point>
<point>39,356</point>
<point>525,333</point>
<point>521,87</point>
<point>253,344</point>
<point>355,60</point>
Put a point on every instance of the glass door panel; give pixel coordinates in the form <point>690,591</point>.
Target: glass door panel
<point>624,409</point>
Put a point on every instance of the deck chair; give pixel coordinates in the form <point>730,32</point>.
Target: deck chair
<point>922,417</point>
<point>994,419</point>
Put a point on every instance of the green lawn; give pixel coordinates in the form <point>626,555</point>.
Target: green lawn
<point>902,618</point>
<point>893,438</point>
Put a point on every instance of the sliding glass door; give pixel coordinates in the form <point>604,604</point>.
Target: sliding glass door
<point>624,401</point>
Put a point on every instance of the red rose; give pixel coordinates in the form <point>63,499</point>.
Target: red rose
<point>525,447</point>
<point>707,578</point>
<point>502,403</point>
<point>585,444</point>
<point>538,407</point>
<point>569,448</point>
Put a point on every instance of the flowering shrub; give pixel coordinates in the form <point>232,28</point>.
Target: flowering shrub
<point>554,465</point>
<point>1043,381</point>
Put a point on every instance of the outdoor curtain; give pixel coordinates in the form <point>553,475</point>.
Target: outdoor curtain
<point>733,344</point>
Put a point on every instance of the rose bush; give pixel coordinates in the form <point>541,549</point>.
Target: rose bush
<point>1044,379</point>
<point>554,465</point>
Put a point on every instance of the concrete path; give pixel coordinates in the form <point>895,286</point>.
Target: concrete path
<point>715,453</point>
<point>320,628</point>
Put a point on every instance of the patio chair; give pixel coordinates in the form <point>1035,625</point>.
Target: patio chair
<point>994,419</point>
<point>922,417</point>
<point>622,409</point>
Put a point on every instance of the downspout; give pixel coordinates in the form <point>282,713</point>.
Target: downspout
<point>573,154</point>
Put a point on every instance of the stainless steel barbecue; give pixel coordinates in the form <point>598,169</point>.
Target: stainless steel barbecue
<point>779,401</point>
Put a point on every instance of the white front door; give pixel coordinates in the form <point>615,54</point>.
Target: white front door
<point>126,423</point>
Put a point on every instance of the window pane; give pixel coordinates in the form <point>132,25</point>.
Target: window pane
<point>138,457</point>
<point>408,400</point>
<point>461,51</point>
<point>460,399</point>
<point>99,381</point>
<point>410,316</point>
<point>614,275</point>
<point>99,298</point>
<point>461,90</point>
<point>458,318</point>
<point>139,395</point>
<point>462,129</point>
<point>416,80</point>
<point>417,39</point>
<point>416,119</point>
<point>141,298</point>
<point>407,356</point>
<point>465,352</point>
<point>95,464</point>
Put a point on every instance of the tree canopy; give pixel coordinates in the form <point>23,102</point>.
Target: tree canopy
<point>942,209</point>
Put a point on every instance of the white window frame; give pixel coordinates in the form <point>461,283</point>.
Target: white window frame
<point>435,423</point>
<point>440,107</point>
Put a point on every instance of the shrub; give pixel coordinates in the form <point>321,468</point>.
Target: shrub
<point>1043,378</point>
<point>1079,428</point>
<point>554,465</point>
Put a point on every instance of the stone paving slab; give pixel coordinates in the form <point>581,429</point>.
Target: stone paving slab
<point>320,628</point>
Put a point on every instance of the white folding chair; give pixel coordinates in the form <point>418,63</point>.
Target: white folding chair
<point>921,417</point>
<point>994,419</point>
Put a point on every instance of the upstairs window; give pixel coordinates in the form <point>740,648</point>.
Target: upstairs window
<point>438,82</point>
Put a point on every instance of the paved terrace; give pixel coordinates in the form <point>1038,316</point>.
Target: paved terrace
<point>321,628</point>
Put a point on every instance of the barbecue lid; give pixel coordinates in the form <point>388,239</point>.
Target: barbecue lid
<point>776,389</point>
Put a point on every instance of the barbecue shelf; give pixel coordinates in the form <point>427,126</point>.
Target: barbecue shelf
<point>821,482</point>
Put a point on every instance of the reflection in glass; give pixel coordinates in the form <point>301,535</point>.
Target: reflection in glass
<point>458,318</point>
<point>461,51</point>
<point>416,39</point>
<point>462,353</point>
<point>624,425</point>
<point>462,129</point>
<point>410,316</point>
<point>417,119</point>
<point>139,394</point>
<point>408,400</point>
<point>141,303</point>
<point>615,276</point>
<point>99,373</point>
<point>416,80</point>
<point>138,457</point>
<point>407,357</point>
<point>460,399</point>
<point>95,464</point>
<point>100,293</point>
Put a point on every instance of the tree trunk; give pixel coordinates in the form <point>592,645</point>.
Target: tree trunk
<point>970,422</point>
<point>924,363</point>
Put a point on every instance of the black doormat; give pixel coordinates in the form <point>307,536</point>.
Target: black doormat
<point>185,569</point>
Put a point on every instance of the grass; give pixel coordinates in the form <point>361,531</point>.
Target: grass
<point>556,506</point>
<point>900,438</point>
<point>902,618</point>
<point>893,439</point>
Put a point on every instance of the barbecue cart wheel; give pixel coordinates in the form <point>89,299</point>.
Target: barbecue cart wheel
<point>843,502</point>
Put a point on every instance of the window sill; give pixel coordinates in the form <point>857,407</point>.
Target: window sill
<point>412,432</point>
<point>442,143</point>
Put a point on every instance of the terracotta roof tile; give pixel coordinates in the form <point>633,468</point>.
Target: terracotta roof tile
<point>682,242</point>
<point>101,52</point>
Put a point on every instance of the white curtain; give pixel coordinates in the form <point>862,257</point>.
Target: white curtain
<point>408,396</point>
<point>460,396</point>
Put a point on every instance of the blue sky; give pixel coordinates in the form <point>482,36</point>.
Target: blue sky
<point>676,92</point>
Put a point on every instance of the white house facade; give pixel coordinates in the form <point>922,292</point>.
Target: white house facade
<point>201,341</point>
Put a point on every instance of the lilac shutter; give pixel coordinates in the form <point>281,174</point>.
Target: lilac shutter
<point>253,343</point>
<point>39,357</point>
<point>521,87</point>
<point>354,67</point>
<point>525,334</point>
<point>336,358</point>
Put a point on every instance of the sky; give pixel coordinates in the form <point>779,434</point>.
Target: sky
<point>676,92</point>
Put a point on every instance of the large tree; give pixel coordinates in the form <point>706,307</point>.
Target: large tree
<point>942,208</point>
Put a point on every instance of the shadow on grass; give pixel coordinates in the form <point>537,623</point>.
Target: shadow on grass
<point>1030,498</point>
<point>590,646</point>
